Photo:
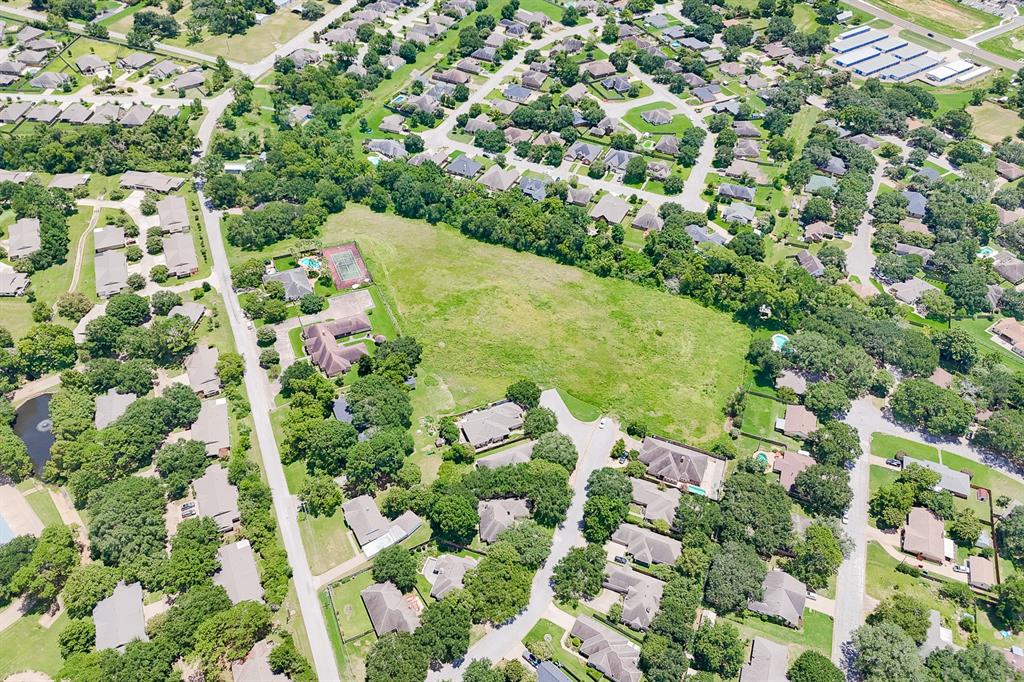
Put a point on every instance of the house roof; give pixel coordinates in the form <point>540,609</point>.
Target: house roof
<point>809,262</point>
<point>447,571</point>
<point>792,380</point>
<point>579,196</point>
<point>180,254</point>
<point>789,465</point>
<point>982,572</point>
<point>768,661</point>
<point>256,666</point>
<point>672,462</point>
<point>389,609</point>
<point>911,291</point>
<point>516,454</point>
<point>201,368</point>
<point>646,546</point>
<point>158,182</point>
<point>497,515</point>
<point>24,238</point>
<point>658,503</point>
<point>295,281</point>
<point>136,115</point>
<point>238,574</point>
<point>924,535</point>
<point>498,179</point>
<point>110,406</point>
<point>607,651</point>
<point>743,192</point>
<point>956,482</point>
<point>119,618</point>
<point>657,117</point>
<point>13,283</point>
<point>188,80</point>
<point>211,426</point>
<point>111,272</point>
<point>800,420</point>
<point>642,594</point>
<point>374,532</point>
<point>90,62</point>
<point>648,219</point>
<point>190,309</point>
<point>738,213</point>
<point>464,166</point>
<point>216,497</point>
<point>610,208</point>
<point>108,237</point>
<point>68,180</point>
<point>784,597</point>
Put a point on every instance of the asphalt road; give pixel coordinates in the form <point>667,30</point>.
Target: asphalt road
<point>285,507</point>
<point>595,446</point>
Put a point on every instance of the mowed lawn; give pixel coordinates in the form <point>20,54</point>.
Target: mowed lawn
<point>992,122</point>
<point>487,316</point>
<point>26,645</point>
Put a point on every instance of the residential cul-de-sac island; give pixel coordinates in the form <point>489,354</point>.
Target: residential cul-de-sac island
<point>500,339</point>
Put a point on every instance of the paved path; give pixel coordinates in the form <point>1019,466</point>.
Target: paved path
<point>860,260</point>
<point>341,570</point>
<point>79,252</point>
<point>34,388</point>
<point>849,606</point>
<point>594,445</point>
<point>285,506</point>
<point>1005,26</point>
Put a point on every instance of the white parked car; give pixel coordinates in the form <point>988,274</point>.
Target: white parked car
<point>846,518</point>
<point>603,423</point>
<point>960,568</point>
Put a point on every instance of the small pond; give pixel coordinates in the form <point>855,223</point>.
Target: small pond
<point>34,427</point>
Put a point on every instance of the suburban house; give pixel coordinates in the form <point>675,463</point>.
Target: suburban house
<point>641,595</point>
<point>911,291</point>
<point>320,341</point>
<point>956,482</point>
<point>107,238</point>
<point>389,609</point>
<point>680,465</point>
<point>173,214</point>
<point>201,367</point>
<point>658,503</point>
<point>238,574</point>
<point>217,498</point>
<point>373,531</point>
<point>491,425</point>
<point>768,661</point>
<point>211,427</point>
<point>924,535</point>
<point>610,208</point>
<point>256,666</point>
<point>110,406</point>
<point>190,310</point>
<point>810,263</point>
<point>981,573</point>
<point>111,273</point>
<point>119,618</point>
<point>516,454</point>
<point>23,238</point>
<point>497,515</point>
<point>799,422</point>
<point>180,255</point>
<point>445,573</point>
<point>155,182</point>
<point>784,598</point>
<point>789,465</point>
<point>645,546</point>
<point>13,283</point>
<point>607,651</point>
<point>1010,331</point>
<point>295,281</point>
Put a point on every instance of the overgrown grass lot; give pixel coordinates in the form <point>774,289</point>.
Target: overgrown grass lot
<point>487,315</point>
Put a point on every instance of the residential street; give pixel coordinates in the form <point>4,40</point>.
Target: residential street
<point>849,607</point>
<point>860,260</point>
<point>595,446</point>
<point>285,507</point>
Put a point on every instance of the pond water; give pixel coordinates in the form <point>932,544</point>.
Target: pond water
<point>34,427</point>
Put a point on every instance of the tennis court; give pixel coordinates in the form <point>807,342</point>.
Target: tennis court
<point>347,266</point>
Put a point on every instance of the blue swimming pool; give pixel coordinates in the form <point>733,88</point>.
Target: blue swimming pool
<point>310,263</point>
<point>986,252</point>
<point>779,341</point>
<point>696,490</point>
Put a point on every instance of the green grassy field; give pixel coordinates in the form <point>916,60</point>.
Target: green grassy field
<point>759,415</point>
<point>678,124</point>
<point>941,16</point>
<point>326,540</point>
<point>28,646</point>
<point>923,41</point>
<point>978,330</point>
<point>545,628</point>
<point>884,445</point>
<point>44,507</point>
<point>816,633</point>
<point>1009,45</point>
<point>800,127</point>
<point>487,316</point>
<point>353,619</point>
<point>992,122</point>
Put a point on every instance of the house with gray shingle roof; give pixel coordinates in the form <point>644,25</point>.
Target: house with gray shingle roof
<point>389,609</point>
<point>497,515</point>
<point>295,281</point>
<point>119,618</point>
<point>238,574</point>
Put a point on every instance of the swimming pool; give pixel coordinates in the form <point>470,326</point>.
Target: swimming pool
<point>695,490</point>
<point>6,534</point>
<point>310,263</point>
<point>779,341</point>
<point>986,252</point>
